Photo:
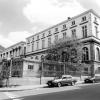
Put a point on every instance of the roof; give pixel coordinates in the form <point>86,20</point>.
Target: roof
<point>16,44</point>
<point>47,29</point>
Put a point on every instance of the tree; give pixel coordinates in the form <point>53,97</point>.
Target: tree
<point>5,72</point>
<point>68,51</point>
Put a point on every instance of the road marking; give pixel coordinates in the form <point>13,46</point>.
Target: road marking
<point>12,96</point>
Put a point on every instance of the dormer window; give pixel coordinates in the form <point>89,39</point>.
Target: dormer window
<point>64,26</point>
<point>83,18</point>
<point>73,22</point>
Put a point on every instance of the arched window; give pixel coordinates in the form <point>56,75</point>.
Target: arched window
<point>98,54</point>
<point>42,57</point>
<point>85,56</point>
<point>36,58</point>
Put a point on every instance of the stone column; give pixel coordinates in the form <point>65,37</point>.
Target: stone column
<point>16,52</point>
<point>19,50</point>
<point>13,52</point>
<point>92,58</point>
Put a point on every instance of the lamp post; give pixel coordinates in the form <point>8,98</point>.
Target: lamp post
<point>42,60</point>
<point>10,68</point>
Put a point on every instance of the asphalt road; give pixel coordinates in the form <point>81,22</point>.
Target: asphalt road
<point>90,92</point>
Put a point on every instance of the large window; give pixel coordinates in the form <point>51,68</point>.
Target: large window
<point>37,45</point>
<point>98,54</point>
<point>96,31</point>
<point>49,41</point>
<point>85,56</point>
<point>56,37</point>
<point>84,31</point>
<point>28,45</point>
<point>38,37</point>
<point>33,46</point>
<point>74,33</point>
<point>43,44</point>
<point>64,35</point>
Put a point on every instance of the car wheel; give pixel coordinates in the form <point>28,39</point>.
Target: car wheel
<point>72,83</point>
<point>59,84</point>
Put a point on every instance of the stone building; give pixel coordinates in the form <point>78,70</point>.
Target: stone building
<point>14,51</point>
<point>12,57</point>
<point>85,26</point>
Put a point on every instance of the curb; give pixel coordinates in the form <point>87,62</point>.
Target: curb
<point>22,88</point>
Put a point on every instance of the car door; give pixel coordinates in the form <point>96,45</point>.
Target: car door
<point>64,80</point>
<point>69,79</point>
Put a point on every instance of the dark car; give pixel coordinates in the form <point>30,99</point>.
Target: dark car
<point>64,80</point>
<point>94,79</point>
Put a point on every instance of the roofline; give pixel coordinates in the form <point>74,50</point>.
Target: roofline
<point>72,18</point>
<point>15,44</point>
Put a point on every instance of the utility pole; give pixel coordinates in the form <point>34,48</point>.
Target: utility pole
<point>42,60</point>
<point>10,69</point>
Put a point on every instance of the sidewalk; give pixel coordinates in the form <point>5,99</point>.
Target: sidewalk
<point>16,88</point>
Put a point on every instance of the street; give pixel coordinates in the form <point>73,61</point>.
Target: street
<point>78,92</point>
<point>91,92</point>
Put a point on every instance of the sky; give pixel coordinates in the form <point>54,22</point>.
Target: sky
<point>20,19</point>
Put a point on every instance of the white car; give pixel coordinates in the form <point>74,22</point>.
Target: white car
<point>64,80</point>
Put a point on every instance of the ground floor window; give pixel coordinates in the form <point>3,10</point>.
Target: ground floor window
<point>30,67</point>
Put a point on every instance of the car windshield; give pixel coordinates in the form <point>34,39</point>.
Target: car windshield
<point>66,78</point>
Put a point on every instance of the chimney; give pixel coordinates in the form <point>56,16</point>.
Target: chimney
<point>68,18</point>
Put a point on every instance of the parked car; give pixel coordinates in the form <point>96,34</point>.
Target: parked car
<point>64,80</point>
<point>94,79</point>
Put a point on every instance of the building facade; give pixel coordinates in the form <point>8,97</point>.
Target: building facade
<point>12,59</point>
<point>14,51</point>
<point>85,27</point>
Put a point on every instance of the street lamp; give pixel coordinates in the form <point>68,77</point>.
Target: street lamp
<point>42,60</point>
<point>10,68</point>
